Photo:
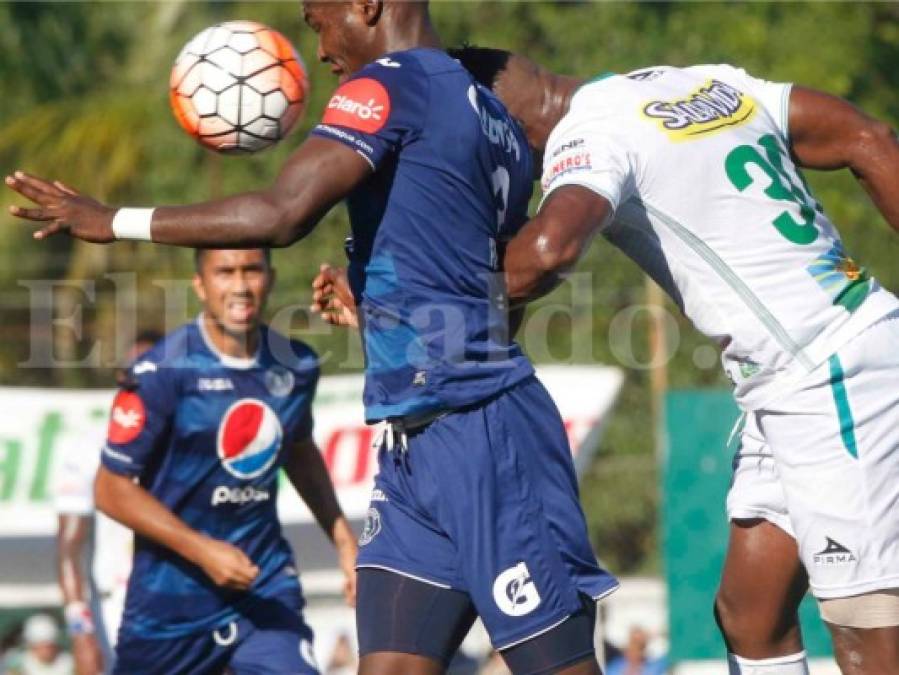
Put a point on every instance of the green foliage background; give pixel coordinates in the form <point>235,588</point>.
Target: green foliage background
<point>84,100</point>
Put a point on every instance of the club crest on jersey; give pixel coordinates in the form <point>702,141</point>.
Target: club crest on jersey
<point>363,105</point>
<point>279,381</point>
<point>127,419</point>
<point>249,438</point>
<point>713,107</point>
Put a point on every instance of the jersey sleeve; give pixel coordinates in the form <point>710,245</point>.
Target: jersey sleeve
<point>309,374</point>
<point>306,421</point>
<point>774,96</point>
<point>586,150</point>
<point>140,418</point>
<point>379,110</point>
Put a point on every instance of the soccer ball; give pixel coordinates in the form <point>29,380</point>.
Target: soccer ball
<point>238,87</point>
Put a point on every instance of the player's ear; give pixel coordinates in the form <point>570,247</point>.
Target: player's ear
<point>199,288</point>
<point>369,10</point>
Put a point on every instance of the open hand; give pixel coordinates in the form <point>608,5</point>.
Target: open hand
<point>63,208</point>
<point>332,297</point>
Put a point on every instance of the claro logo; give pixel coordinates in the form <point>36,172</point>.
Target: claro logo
<point>363,105</point>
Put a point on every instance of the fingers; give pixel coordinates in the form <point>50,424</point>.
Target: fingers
<point>65,188</point>
<point>35,189</point>
<point>50,230</point>
<point>38,214</point>
<point>242,577</point>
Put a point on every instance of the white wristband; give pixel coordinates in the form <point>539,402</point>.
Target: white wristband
<point>132,224</point>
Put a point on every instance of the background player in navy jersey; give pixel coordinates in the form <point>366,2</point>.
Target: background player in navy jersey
<point>195,442</point>
<point>475,511</point>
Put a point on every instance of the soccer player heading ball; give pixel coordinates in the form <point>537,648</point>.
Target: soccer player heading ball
<point>476,508</point>
<point>695,174</point>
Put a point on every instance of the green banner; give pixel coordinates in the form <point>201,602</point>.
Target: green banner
<point>695,483</point>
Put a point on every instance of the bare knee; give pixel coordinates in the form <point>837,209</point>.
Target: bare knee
<point>756,630</point>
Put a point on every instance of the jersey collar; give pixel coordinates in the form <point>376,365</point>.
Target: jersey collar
<point>226,360</point>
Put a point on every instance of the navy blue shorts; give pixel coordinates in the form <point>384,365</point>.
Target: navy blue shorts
<point>484,500</point>
<point>271,638</point>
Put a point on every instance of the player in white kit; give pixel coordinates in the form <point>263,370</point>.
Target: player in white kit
<point>694,174</point>
<point>80,523</point>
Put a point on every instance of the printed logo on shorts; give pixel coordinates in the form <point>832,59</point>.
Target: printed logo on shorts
<point>514,591</point>
<point>834,555</point>
<point>372,526</point>
<point>249,438</point>
<point>363,105</point>
<point>127,419</point>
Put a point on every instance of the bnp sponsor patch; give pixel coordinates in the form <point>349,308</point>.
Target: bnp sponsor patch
<point>713,107</point>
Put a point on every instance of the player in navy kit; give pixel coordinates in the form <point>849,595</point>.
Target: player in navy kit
<point>475,511</point>
<point>209,416</point>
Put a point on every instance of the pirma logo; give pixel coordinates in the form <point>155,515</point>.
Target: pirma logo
<point>249,438</point>
<point>363,105</point>
<point>514,591</point>
<point>834,555</point>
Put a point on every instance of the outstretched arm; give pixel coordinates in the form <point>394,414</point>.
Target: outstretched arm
<point>827,132</point>
<point>552,242</point>
<point>318,175</point>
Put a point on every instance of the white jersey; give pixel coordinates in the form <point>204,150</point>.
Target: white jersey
<point>78,461</point>
<point>708,202</point>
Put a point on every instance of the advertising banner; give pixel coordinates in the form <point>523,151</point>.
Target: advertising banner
<point>38,425</point>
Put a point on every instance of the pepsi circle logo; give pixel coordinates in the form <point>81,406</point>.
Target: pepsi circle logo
<point>249,438</point>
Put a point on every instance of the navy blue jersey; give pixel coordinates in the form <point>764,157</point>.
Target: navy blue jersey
<point>452,180</point>
<point>206,434</point>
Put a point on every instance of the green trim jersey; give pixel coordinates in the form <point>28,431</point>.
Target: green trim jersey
<point>707,200</point>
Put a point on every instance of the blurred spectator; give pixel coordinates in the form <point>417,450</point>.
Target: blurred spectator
<point>42,654</point>
<point>343,657</point>
<point>634,660</point>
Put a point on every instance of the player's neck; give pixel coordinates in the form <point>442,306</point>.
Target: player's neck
<point>557,93</point>
<point>241,346</point>
<point>417,32</point>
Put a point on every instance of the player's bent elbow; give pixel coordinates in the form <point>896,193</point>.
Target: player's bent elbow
<point>871,141</point>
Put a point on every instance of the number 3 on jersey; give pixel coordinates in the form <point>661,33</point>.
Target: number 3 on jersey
<point>781,188</point>
<point>500,179</point>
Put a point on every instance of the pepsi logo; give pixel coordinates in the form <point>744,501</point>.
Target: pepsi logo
<point>249,438</point>
<point>363,105</point>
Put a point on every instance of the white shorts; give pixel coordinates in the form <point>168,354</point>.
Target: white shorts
<point>822,463</point>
